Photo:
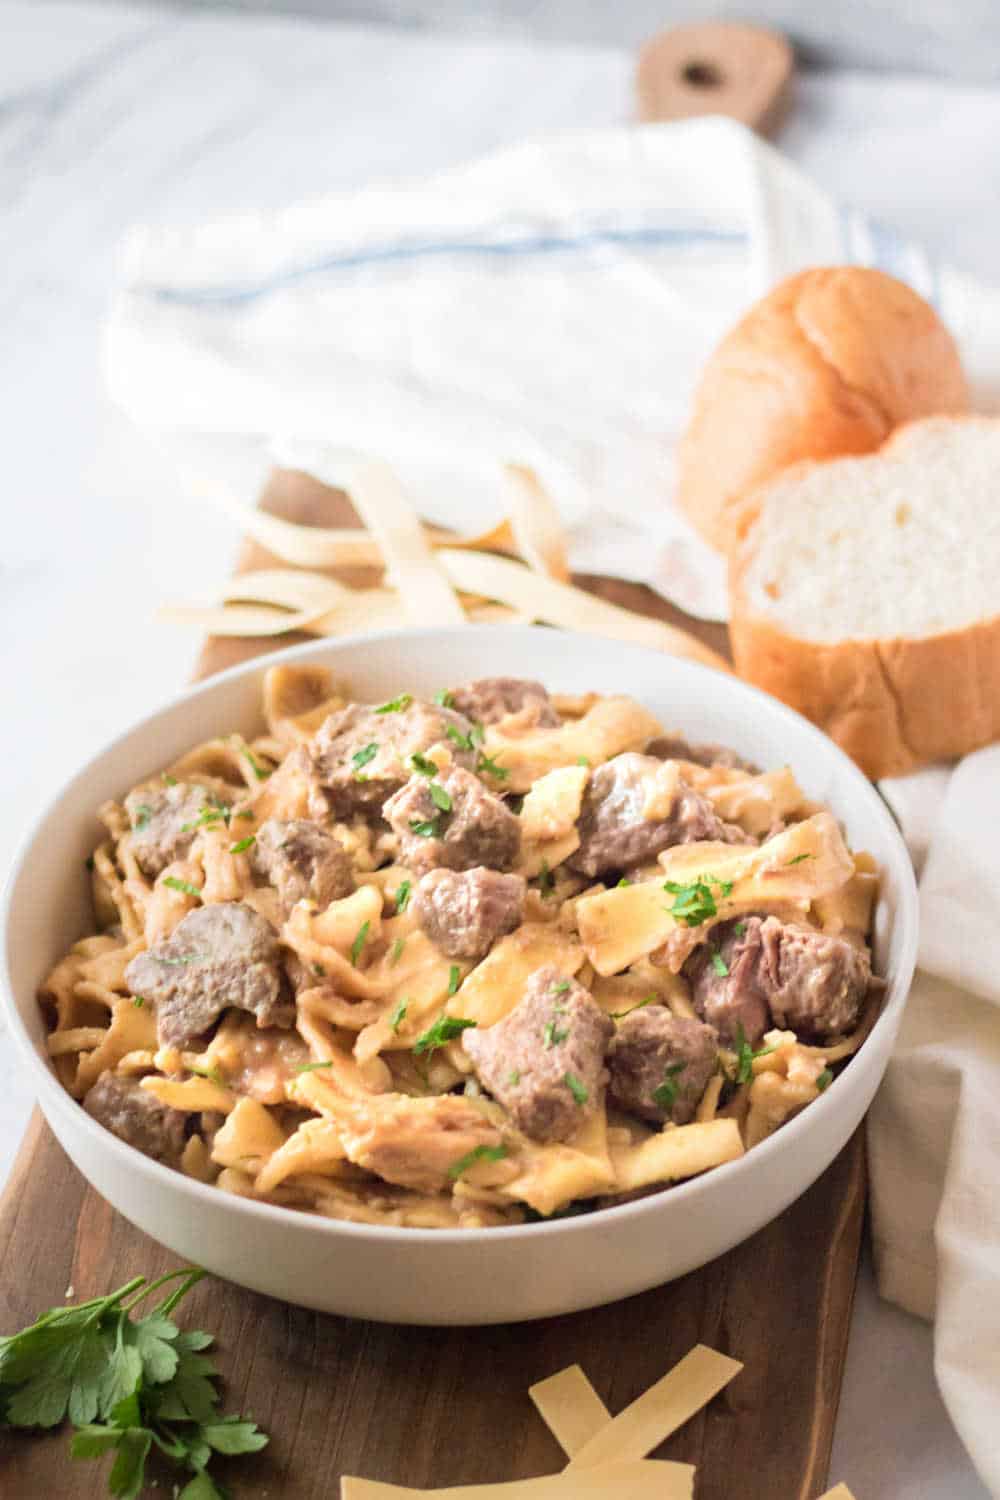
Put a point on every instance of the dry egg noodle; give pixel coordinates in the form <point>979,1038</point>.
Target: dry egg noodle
<point>274,1003</point>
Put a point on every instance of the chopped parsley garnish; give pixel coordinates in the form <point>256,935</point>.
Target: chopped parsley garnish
<point>458,738</point>
<point>403,895</point>
<point>477,734</point>
<point>312,1067</point>
<point>319,970</point>
<point>797,860</point>
<point>445,1029</point>
<point>126,1383</point>
<point>243,844</point>
<point>487,765</point>
<point>422,764</point>
<point>247,812</point>
<point>184,886</point>
<point>719,963</point>
<point>619,1015</point>
<point>396,705</point>
<point>665,1094</point>
<point>424,828</point>
<point>824,1080</point>
<point>739,929</point>
<point>212,1074</point>
<point>623,883</point>
<point>169,780</point>
<point>514,1078</point>
<point>454,979</point>
<point>440,797</point>
<point>582,760</point>
<point>362,758</point>
<point>551,1034</point>
<point>138,1001</point>
<point>258,770</point>
<point>210,814</point>
<point>398,1017</point>
<point>576,1088</point>
<point>545,882</point>
<point>188,958</point>
<point>396,951</point>
<point>478,1153</point>
<point>359,943</point>
<point>143,813</point>
<point>745,1056</point>
<point>695,903</point>
<point>444,699</point>
<point>561,987</point>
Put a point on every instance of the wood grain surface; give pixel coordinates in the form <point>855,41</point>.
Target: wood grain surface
<point>425,1406</point>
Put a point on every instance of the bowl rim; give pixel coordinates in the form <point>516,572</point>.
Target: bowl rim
<point>684,1193</point>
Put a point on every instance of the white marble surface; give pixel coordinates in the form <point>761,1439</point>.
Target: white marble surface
<point>108,115</point>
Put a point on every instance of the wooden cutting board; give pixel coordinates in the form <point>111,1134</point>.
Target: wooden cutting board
<point>425,1406</point>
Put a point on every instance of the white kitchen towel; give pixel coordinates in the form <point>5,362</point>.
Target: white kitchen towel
<point>551,306</point>
<point>934,1129</point>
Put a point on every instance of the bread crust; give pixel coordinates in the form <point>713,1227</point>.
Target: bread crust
<point>826,365</point>
<point>892,704</point>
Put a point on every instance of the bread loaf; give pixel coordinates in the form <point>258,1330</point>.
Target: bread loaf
<point>829,363</point>
<point>866,594</point>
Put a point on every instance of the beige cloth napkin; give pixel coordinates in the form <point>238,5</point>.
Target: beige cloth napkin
<point>934,1130</point>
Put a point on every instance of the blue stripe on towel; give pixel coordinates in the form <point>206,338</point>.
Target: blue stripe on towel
<point>427,249</point>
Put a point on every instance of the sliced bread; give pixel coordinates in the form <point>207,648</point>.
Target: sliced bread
<point>828,363</point>
<point>866,593</point>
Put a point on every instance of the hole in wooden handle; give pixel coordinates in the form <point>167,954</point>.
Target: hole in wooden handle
<point>703,75</point>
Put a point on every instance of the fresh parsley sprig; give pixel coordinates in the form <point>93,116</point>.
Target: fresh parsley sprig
<point>127,1385</point>
<point>696,903</point>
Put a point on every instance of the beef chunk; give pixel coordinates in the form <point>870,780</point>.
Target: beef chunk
<point>136,1117</point>
<point>780,974</point>
<point>475,828</point>
<point>302,860</point>
<point>217,956</point>
<point>163,819</point>
<point>660,1063</point>
<point>494,698</point>
<point>545,1061</point>
<point>674,747</point>
<point>361,756</point>
<point>614,835</point>
<point>464,912</point>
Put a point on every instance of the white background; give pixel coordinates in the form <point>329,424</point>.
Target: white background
<point>111,115</point>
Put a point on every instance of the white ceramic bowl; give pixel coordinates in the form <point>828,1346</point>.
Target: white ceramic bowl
<point>456,1276</point>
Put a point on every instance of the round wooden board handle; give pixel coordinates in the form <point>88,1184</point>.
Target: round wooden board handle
<point>716,68</point>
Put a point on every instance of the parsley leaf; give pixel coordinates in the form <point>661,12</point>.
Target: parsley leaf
<point>551,1034</point>
<point>561,987</point>
<point>664,1096</point>
<point>824,1080</point>
<point>145,1380</point>
<point>545,882</point>
<point>403,895</point>
<point>582,760</point>
<point>454,979</point>
<point>396,705</point>
<point>745,1056</point>
<point>422,765</point>
<point>719,963</point>
<point>439,796</point>
<point>396,951</point>
<point>424,828</point>
<point>445,1029</point>
<point>478,1153</point>
<point>184,886</point>
<point>623,882</point>
<point>576,1088</point>
<point>143,813</point>
<point>514,1078</point>
<point>487,765</point>
<point>359,943</point>
<point>618,1015</point>
<point>261,772</point>
<point>311,1067</point>
<point>207,816</point>
<point>739,929</point>
<point>362,757</point>
<point>458,738</point>
<point>398,1017</point>
<point>444,699</point>
<point>797,860</point>
<point>243,844</point>
<point>695,903</point>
